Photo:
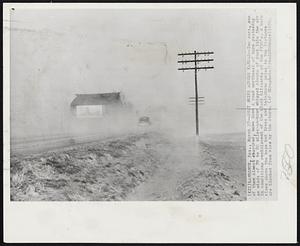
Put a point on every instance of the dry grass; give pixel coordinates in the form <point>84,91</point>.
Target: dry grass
<point>99,171</point>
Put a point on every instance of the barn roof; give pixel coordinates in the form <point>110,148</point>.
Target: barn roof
<point>96,99</point>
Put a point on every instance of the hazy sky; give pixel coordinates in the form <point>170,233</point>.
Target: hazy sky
<point>57,53</point>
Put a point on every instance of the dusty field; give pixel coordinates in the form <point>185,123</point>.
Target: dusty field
<point>140,167</point>
<point>99,171</point>
<point>222,175</point>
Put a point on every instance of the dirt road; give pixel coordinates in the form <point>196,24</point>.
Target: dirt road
<point>182,159</point>
<point>191,172</point>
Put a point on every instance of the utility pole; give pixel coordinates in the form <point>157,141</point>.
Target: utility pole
<point>195,61</point>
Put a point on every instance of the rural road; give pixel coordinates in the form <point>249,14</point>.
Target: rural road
<point>183,158</point>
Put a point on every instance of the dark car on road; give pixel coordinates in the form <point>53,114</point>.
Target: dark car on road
<point>144,120</point>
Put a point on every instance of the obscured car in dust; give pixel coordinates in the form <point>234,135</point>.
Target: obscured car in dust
<point>144,121</point>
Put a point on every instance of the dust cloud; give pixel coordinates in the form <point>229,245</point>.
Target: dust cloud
<point>58,53</point>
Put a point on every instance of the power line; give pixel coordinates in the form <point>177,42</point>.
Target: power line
<point>203,60</point>
<point>197,53</point>
<point>195,68</point>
